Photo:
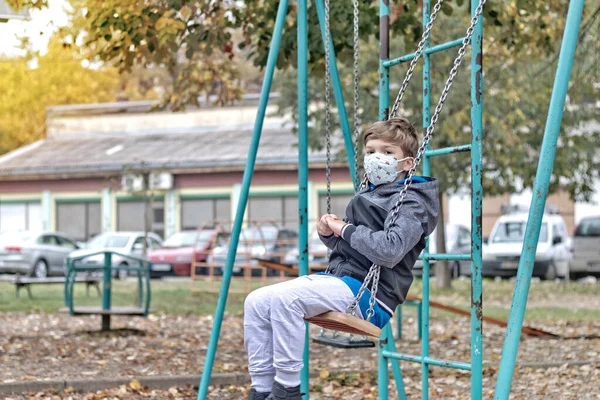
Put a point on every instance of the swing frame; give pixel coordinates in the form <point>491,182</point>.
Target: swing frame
<point>551,133</point>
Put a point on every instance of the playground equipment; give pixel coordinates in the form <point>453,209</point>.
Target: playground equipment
<point>540,189</point>
<point>77,265</point>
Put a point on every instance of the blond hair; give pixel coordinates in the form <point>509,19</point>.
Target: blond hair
<point>397,131</point>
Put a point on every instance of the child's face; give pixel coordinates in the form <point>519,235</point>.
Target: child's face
<point>383,147</point>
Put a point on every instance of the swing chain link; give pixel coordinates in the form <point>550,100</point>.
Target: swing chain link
<point>375,269</point>
<point>327,106</point>
<point>356,89</point>
<point>438,109</point>
<point>415,60</point>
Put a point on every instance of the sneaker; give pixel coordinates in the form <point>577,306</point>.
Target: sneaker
<point>280,392</point>
<point>254,395</point>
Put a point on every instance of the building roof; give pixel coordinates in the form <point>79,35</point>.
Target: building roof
<point>102,154</point>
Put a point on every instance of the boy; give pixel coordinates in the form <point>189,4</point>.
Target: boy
<point>274,315</point>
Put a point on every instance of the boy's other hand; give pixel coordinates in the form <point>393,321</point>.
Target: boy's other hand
<point>323,225</point>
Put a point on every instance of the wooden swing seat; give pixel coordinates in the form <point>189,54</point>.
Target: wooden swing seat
<point>342,322</point>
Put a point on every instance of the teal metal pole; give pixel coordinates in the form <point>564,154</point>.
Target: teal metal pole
<point>430,50</point>
<point>338,93</point>
<point>243,200</point>
<point>106,290</point>
<point>476,206</point>
<point>303,167</point>
<point>384,110</point>
<point>382,365</point>
<point>426,172</point>
<point>391,347</point>
<point>384,55</point>
<point>540,192</point>
<point>399,322</point>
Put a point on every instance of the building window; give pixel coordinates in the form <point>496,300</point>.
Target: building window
<point>20,217</point>
<point>196,212</point>
<point>339,202</point>
<point>79,221</point>
<point>283,210</point>
<point>131,216</point>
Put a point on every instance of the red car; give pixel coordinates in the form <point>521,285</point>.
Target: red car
<point>175,255</point>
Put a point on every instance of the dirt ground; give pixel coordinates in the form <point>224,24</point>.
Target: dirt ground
<point>56,346</point>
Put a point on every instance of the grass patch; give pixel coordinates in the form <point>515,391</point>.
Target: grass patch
<point>176,298</point>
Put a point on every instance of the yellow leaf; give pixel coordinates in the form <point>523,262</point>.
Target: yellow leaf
<point>185,12</point>
<point>324,374</point>
<point>135,385</point>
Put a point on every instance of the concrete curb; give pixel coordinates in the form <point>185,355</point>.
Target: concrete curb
<point>92,385</point>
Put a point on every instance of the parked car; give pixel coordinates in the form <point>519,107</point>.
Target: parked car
<point>502,253</point>
<point>175,256</point>
<point>127,243</point>
<point>317,252</point>
<point>586,248</point>
<point>266,242</point>
<point>37,254</point>
<point>458,241</point>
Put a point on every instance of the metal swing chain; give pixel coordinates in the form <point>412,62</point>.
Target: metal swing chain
<point>375,269</point>
<point>327,107</point>
<point>415,60</point>
<point>356,88</point>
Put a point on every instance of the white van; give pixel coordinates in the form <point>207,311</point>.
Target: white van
<point>503,249</point>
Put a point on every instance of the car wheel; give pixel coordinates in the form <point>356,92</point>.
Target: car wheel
<point>550,274</point>
<point>40,269</point>
<point>455,271</point>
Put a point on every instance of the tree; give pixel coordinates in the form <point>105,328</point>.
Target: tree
<point>59,78</point>
<point>195,41</point>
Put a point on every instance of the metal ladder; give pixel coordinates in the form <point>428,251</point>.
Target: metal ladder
<point>386,349</point>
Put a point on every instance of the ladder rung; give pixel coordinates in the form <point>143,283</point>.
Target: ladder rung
<point>426,360</point>
<point>431,50</point>
<point>447,150</point>
<point>446,257</point>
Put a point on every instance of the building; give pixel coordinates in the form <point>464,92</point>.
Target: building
<point>72,181</point>
<point>84,178</point>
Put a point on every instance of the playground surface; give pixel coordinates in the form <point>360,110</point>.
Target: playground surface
<point>40,345</point>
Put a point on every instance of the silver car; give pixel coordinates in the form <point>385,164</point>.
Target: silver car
<point>38,254</point>
<point>586,248</point>
<point>127,243</point>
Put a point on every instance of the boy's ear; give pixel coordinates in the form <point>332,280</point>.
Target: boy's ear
<point>408,164</point>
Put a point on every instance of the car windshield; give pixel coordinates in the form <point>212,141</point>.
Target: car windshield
<point>108,240</point>
<point>514,232</point>
<point>589,227</point>
<point>187,239</point>
<point>267,234</point>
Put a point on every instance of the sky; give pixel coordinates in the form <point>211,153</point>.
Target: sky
<point>39,28</point>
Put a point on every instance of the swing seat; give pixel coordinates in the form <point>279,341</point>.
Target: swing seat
<point>342,322</point>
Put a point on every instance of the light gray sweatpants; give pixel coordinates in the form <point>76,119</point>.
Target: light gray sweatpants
<point>274,325</point>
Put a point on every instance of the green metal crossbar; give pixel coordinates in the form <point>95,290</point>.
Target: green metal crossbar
<point>476,193</point>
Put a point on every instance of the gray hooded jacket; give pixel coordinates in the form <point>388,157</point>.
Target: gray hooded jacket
<point>368,237</point>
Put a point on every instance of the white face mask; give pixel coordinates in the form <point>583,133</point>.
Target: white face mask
<point>381,168</point>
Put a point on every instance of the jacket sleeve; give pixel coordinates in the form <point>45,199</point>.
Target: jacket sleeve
<point>328,241</point>
<point>388,247</point>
